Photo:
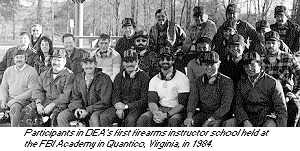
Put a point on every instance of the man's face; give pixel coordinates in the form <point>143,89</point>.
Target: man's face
<point>88,67</point>
<point>211,68</point>
<point>161,18</point>
<point>203,46</point>
<point>20,60</point>
<point>232,16</point>
<point>261,33</point>
<point>58,64</point>
<point>228,32</point>
<point>252,69</point>
<point>272,46</point>
<point>69,43</point>
<point>36,31</point>
<point>166,62</point>
<point>200,19</point>
<point>24,40</point>
<point>236,50</point>
<point>103,44</point>
<point>45,47</point>
<point>281,19</point>
<point>141,43</point>
<point>128,31</point>
<point>130,66</point>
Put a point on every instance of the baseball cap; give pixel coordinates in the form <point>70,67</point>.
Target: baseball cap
<point>128,22</point>
<point>236,39</point>
<point>229,24</point>
<point>203,39</point>
<point>141,33</point>
<point>261,24</point>
<point>271,36</point>
<point>199,10</point>
<point>209,57</point>
<point>280,10</point>
<point>231,8</point>
<point>59,53</point>
<point>87,57</point>
<point>130,55</point>
<point>19,52</point>
<point>248,57</point>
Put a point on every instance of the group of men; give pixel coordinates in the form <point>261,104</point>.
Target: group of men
<point>236,75</point>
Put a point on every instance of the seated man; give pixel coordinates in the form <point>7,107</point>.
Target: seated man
<point>91,95</point>
<point>16,87</point>
<point>195,68</point>
<point>52,92</point>
<point>212,94</point>
<point>167,95</point>
<point>129,95</point>
<point>258,95</point>
<point>107,58</point>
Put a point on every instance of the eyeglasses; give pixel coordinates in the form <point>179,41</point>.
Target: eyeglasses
<point>141,40</point>
<point>168,58</point>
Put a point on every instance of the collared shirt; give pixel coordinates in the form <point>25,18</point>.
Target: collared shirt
<point>284,69</point>
<point>20,69</point>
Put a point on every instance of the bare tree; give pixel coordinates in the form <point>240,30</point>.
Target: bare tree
<point>265,9</point>
<point>116,5</point>
<point>163,4</point>
<point>188,13</point>
<point>146,15</point>
<point>181,15</point>
<point>39,12</point>
<point>133,9</point>
<point>172,2</point>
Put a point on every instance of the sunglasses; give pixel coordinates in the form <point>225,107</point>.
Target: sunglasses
<point>141,40</point>
<point>168,58</point>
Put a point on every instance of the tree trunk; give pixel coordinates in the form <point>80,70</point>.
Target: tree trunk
<point>117,16</point>
<point>40,12</point>
<point>146,15</point>
<point>188,13</point>
<point>137,13</point>
<point>163,4</point>
<point>172,2</point>
<point>181,15</point>
<point>132,9</point>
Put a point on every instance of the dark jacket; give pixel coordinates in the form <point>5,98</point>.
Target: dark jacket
<point>124,44</point>
<point>131,91</point>
<point>292,36</point>
<point>74,61</point>
<point>254,103</point>
<point>96,97</point>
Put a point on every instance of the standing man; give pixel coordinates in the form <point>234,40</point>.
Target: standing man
<point>203,27</point>
<point>129,95</point>
<point>16,87</point>
<point>167,95</point>
<point>24,44</point>
<point>74,55</point>
<point>127,41</point>
<point>165,34</point>
<point>243,28</point>
<point>36,34</point>
<point>285,68</point>
<point>108,59</point>
<point>91,95</point>
<point>258,95</point>
<point>51,94</point>
<point>212,94</point>
<point>289,32</point>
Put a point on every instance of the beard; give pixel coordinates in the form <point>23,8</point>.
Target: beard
<point>166,66</point>
<point>140,47</point>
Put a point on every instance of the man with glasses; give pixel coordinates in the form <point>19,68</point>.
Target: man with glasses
<point>148,60</point>
<point>203,27</point>
<point>165,34</point>
<point>36,34</point>
<point>289,32</point>
<point>262,26</point>
<point>108,59</point>
<point>127,41</point>
<point>129,95</point>
<point>258,96</point>
<point>212,94</point>
<point>195,68</point>
<point>167,95</point>
<point>285,68</point>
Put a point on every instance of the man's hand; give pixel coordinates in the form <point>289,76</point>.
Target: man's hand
<point>159,116</point>
<point>119,106</point>
<point>120,114</point>
<point>10,103</point>
<point>208,121</point>
<point>247,123</point>
<point>3,104</point>
<point>81,113</point>
<point>40,108</point>
<point>49,108</point>
<point>188,122</point>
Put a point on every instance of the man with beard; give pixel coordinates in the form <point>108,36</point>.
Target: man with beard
<point>232,66</point>
<point>289,32</point>
<point>74,55</point>
<point>167,95</point>
<point>148,60</point>
<point>108,59</point>
<point>203,27</point>
<point>24,44</point>
<point>127,41</point>
<point>258,95</point>
<point>285,68</point>
<point>36,34</point>
<point>16,87</point>
<point>51,94</point>
<point>243,28</point>
<point>262,26</point>
<point>165,34</point>
<point>212,94</point>
<point>91,95</point>
<point>129,95</point>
